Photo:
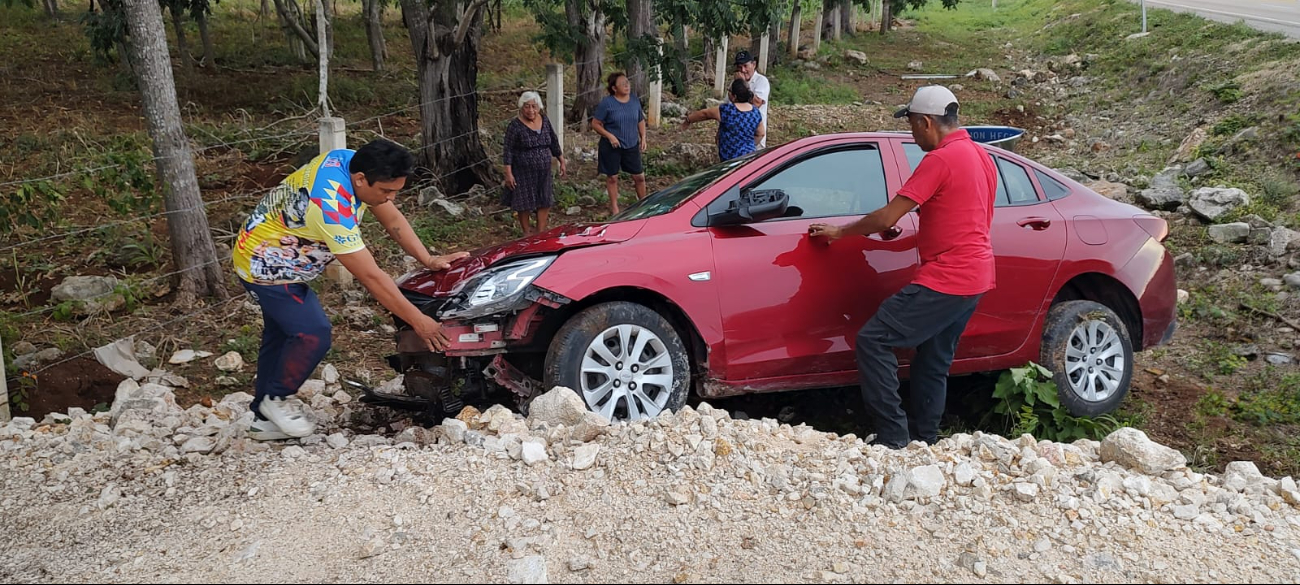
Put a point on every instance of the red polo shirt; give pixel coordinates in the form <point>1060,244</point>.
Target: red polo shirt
<point>955,186</point>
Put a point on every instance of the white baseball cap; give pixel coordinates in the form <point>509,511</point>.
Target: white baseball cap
<point>930,99</point>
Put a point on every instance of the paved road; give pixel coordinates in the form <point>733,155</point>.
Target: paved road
<point>1271,15</point>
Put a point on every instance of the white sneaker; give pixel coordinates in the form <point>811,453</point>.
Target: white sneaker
<point>290,419</point>
<point>265,430</point>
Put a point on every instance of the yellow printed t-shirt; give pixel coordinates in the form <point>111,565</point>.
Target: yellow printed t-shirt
<point>300,226</point>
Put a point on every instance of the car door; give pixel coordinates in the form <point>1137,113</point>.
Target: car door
<point>1029,237</point>
<point>792,304</point>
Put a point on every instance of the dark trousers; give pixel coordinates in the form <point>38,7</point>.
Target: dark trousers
<point>295,338</point>
<point>931,322</point>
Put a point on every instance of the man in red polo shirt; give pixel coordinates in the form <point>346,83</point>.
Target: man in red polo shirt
<point>954,187</point>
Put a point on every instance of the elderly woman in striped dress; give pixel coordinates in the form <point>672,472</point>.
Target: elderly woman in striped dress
<point>530,144</point>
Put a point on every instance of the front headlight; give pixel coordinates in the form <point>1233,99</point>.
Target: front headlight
<point>496,289</point>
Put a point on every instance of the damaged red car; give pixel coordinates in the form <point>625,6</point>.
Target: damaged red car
<point>713,286</point>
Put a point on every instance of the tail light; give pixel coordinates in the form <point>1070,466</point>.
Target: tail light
<point>1157,227</point>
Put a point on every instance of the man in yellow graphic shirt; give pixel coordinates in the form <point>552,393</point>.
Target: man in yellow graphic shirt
<point>310,219</point>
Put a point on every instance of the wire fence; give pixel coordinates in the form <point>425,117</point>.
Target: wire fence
<point>300,132</point>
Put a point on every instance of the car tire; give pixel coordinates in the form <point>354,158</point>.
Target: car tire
<point>1088,349</point>
<point>632,387</point>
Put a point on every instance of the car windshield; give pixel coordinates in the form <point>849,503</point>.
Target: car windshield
<point>665,200</point>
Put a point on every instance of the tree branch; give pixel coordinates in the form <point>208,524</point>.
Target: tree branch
<point>462,29</point>
<point>297,28</point>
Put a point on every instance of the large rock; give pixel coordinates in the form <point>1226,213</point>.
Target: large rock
<point>44,356</point>
<point>673,110</point>
<point>560,406</point>
<point>533,451</point>
<point>985,73</point>
<point>1197,168</point>
<point>1281,240</point>
<point>1212,203</point>
<point>230,362</point>
<point>1131,448</point>
<point>428,195</point>
<point>856,56</point>
<point>925,482</point>
<point>1187,149</point>
<point>97,293</point>
<point>690,155</point>
<point>155,401</point>
<point>1164,192</point>
<point>530,569</point>
<point>585,456</point>
<point>1230,233</point>
<point>452,209</point>
<point>1114,191</point>
<point>1242,476</point>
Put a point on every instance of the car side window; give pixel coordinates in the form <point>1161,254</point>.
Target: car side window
<point>915,154</point>
<point>838,183</point>
<point>1051,187</point>
<point>1020,190</point>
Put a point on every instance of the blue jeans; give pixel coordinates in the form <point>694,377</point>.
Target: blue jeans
<point>295,338</point>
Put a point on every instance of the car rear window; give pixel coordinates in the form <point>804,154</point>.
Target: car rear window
<point>1051,187</point>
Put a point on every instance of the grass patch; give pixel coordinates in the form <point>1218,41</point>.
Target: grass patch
<point>798,86</point>
<point>1215,359</point>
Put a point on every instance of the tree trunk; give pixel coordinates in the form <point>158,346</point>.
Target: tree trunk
<point>446,45</point>
<point>125,54</point>
<point>178,22</point>
<point>209,52</point>
<point>329,27</point>
<point>640,23</point>
<point>886,16</point>
<point>681,41</point>
<point>372,12</point>
<point>773,44</point>
<point>710,58</point>
<point>300,40</point>
<point>846,17</point>
<point>191,239</point>
<point>265,9</point>
<point>796,17</point>
<point>51,8</point>
<point>588,58</point>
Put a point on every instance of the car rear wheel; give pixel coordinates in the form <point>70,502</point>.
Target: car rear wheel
<point>624,359</point>
<point>1089,351</point>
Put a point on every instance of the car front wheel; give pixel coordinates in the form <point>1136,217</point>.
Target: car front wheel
<point>624,359</point>
<point>1089,351</point>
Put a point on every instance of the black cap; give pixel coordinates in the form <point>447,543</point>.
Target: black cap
<point>743,57</point>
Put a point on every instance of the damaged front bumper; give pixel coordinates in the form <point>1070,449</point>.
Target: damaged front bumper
<point>486,335</point>
<point>474,362</point>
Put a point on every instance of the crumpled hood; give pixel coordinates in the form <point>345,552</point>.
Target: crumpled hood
<point>567,237</point>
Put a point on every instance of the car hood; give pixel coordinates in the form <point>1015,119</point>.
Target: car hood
<point>568,237</point>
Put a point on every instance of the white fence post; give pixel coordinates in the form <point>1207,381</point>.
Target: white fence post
<point>654,116</point>
<point>817,31</point>
<point>555,99</point>
<point>764,46</point>
<point>333,136</point>
<point>720,69</point>
<point>4,388</point>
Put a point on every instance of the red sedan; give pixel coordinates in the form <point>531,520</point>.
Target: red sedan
<point>714,286</point>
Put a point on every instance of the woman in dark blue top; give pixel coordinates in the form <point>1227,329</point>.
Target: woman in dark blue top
<point>740,124</point>
<point>620,122</point>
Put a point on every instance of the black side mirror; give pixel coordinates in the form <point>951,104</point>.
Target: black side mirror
<point>753,206</point>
